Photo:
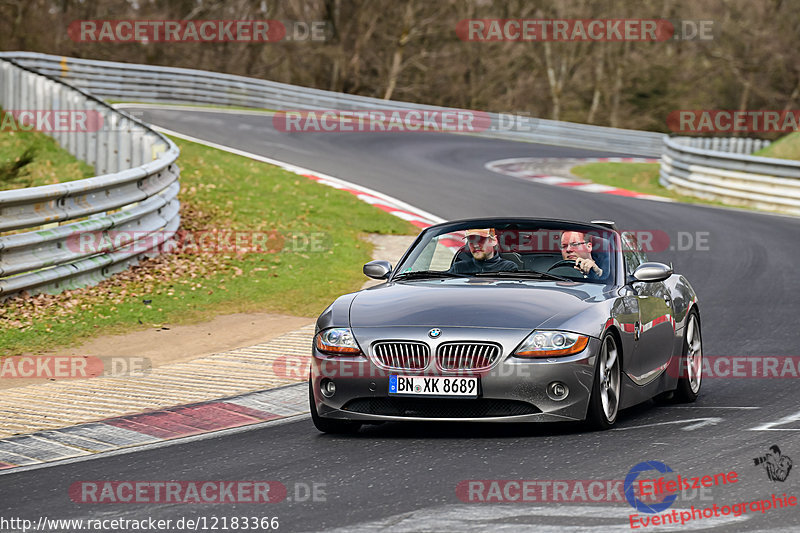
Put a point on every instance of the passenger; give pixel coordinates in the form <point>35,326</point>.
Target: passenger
<point>482,245</point>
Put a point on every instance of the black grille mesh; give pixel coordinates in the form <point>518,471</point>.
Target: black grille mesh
<point>439,407</point>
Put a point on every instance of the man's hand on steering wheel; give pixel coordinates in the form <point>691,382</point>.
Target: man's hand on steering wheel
<point>586,264</point>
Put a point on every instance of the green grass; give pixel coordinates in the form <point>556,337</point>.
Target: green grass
<point>30,158</point>
<point>638,177</point>
<point>223,191</point>
<point>787,147</point>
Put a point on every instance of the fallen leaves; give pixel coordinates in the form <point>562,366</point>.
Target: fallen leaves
<point>157,275</point>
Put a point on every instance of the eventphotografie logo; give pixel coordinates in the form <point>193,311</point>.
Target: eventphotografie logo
<point>630,485</point>
<point>665,486</point>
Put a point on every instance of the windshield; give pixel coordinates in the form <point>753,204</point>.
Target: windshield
<point>512,250</point>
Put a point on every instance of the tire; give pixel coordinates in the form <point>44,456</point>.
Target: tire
<point>604,401</point>
<point>329,425</point>
<point>691,366</point>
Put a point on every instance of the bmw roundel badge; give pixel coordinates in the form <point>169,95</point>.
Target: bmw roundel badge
<point>434,333</point>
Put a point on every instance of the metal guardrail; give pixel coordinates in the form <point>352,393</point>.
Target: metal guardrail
<point>147,83</point>
<point>136,193</point>
<point>731,178</point>
<point>733,145</point>
<point>145,191</point>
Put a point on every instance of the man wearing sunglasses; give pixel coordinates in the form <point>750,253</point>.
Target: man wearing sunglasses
<point>483,257</point>
<point>576,246</point>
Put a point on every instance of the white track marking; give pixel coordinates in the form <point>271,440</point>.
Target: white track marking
<point>513,518</point>
<point>770,426</point>
<point>698,423</point>
<point>705,407</point>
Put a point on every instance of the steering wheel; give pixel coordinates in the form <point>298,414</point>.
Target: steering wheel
<point>562,263</point>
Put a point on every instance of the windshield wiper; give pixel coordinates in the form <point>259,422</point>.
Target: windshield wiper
<point>523,274</point>
<point>423,274</point>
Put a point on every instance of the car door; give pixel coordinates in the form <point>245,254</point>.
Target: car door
<point>655,327</point>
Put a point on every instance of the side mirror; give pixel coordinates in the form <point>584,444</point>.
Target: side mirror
<point>652,272</point>
<point>378,269</point>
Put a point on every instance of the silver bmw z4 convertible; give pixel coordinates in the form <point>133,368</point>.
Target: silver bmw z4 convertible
<point>508,320</point>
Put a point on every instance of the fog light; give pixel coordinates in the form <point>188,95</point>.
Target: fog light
<point>327,387</point>
<point>557,391</point>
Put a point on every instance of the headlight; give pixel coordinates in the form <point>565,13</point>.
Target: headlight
<point>337,341</point>
<point>551,343</point>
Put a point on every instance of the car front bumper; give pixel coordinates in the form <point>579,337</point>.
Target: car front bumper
<point>513,390</point>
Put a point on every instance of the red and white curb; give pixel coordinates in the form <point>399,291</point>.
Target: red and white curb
<point>528,168</point>
<point>151,427</point>
<point>393,206</point>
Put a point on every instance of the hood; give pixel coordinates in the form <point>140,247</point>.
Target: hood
<point>470,303</point>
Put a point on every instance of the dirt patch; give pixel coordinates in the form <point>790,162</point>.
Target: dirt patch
<point>172,344</point>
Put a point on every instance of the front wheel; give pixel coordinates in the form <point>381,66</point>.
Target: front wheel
<point>328,425</point>
<point>605,399</point>
<point>691,367</point>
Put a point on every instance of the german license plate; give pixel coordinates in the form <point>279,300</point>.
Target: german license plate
<point>465,387</point>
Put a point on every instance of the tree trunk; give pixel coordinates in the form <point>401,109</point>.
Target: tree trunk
<point>616,95</point>
<point>598,83</point>
<point>552,81</point>
<point>397,57</point>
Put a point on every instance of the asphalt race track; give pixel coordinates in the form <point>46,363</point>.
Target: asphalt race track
<point>404,477</point>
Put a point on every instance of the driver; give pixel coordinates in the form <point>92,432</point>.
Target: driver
<point>482,244</point>
<point>575,246</point>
